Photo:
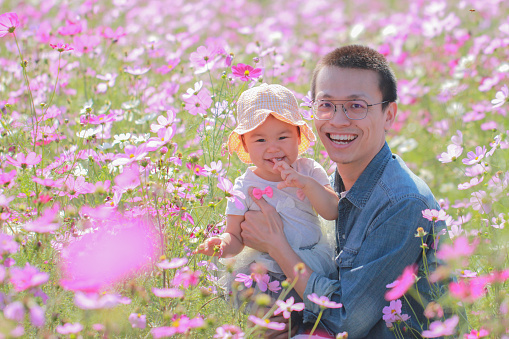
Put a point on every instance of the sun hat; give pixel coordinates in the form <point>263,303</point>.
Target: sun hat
<point>255,105</point>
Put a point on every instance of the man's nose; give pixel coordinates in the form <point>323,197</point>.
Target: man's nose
<point>340,118</point>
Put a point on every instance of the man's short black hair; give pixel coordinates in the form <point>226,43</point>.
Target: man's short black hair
<point>360,57</point>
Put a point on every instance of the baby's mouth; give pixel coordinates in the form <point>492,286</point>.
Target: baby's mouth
<point>274,160</point>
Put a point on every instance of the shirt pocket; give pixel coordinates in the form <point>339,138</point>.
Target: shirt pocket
<point>346,257</point>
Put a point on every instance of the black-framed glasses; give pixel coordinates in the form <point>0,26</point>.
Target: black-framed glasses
<point>353,109</point>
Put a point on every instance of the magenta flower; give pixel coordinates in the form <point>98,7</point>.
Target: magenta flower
<point>323,301</point>
<point>138,320</point>
<point>118,250</point>
<point>500,97</point>
<point>475,157</point>
<point>402,284</point>
<point>264,283</point>
<point>469,290</point>
<point>439,329</point>
<point>8,23</point>
<point>266,323</point>
<point>434,215</point>
<point>229,332</point>
<point>231,194</point>
<point>62,47</point>
<point>247,280</point>
<point>21,161</point>
<point>246,72</point>
<point>69,328</point>
<point>287,307</point>
<point>186,277</point>
<point>474,334</point>
<point>167,292</point>
<point>180,324</point>
<point>460,248</point>
<point>392,313</point>
<point>27,277</point>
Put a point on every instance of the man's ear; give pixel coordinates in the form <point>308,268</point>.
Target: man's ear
<point>390,115</point>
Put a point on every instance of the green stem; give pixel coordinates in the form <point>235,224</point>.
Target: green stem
<point>316,323</point>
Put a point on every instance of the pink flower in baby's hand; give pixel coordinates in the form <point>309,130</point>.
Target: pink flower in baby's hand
<point>323,301</point>
<point>439,329</point>
<point>402,284</point>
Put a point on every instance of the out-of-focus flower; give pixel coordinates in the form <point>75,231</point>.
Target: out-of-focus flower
<point>164,121</point>
<point>8,23</point>
<point>231,194</point>
<point>469,290</point>
<point>136,70</point>
<point>246,72</point>
<point>167,292</point>
<point>138,320</point>
<point>402,284</point>
<point>70,28</point>
<point>69,328</point>
<point>287,307</point>
<point>473,182</point>
<point>203,56</point>
<point>460,248</point>
<point>6,177</point>
<point>266,323</point>
<point>180,324</point>
<point>37,316</point>
<point>481,202</point>
<point>433,310</point>
<point>453,152</point>
<point>186,277</point>
<point>94,301</point>
<point>501,97</point>
<point>7,244</point>
<point>174,263</point>
<point>27,277</point>
<point>15,311</point>
<point>228,332</point>
<point>46,223</point>
<point>119,249</point>
<point>474,334</point>
<point>323,301</point>
<point>439,329</point>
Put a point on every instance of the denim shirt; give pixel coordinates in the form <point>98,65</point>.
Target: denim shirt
<point>375,240</point>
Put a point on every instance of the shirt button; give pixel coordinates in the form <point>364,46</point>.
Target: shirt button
<point>343,236</point>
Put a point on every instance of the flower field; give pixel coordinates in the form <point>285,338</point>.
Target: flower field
<point>113,167</point>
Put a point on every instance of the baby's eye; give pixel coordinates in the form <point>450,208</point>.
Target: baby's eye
<point>281,138</point>
<point>260,140</point>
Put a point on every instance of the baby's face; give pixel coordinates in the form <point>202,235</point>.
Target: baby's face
<point>272,141</point>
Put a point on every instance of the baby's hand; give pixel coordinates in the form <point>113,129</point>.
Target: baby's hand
<point>290,176</point>
<point>211,247</point>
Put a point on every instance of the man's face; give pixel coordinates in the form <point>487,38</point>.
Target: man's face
<point>352,144</point>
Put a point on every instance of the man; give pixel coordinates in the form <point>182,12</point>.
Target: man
<point>354,93</point>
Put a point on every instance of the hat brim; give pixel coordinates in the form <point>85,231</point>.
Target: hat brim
<point>235,141</point>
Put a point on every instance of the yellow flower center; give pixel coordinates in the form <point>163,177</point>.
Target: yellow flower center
<point>246,73</point>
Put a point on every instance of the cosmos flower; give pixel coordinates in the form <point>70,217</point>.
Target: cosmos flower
<point>8,23</point>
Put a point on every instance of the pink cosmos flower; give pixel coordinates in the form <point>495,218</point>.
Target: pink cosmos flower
<point>215,168</point>
<point>203,55</point>
<point>473,182</point>
<point>453,152</point>
<point>49,183</point>
<point>323,301</point>
<point>247,280</point>
<point>163,121</point>
<point>460,248</point>
<point>46,223</point>
<point>7,244</point>
<point>21,161</point>
<point>136,70</point>
<point>167,292</point>
<point>439,329</point>
<point>180,324</point>
<point>198,103</point>
<point>164,136</point>
<point>264,283</point>
<point>481,202</point>
<point>62,47</point>
<point>186,277</point>
<point>109,33</point>
<point>8,23</point>
<point>37,315</point>
<point>229,332</point>
<point>266,323</point>
<point>434,215</point>
<point>69,328</point>
<point>15,311</point>
<point>500,97</point>
<point>475,157</point>
<point>392,313</point>
<point>138,320</point>
<point>119,249</point>
<point>458,138</point>
<point>27,277</point>
<point>402,284</point>
<point>246,72</point>
<point>132,154</point>
<point>287,307</point>
<point>70,28</point>
<point>474,334</point>
<point>6,177</point>
<point>74,187</point>
<point>469,290</point>
<point>231,194</point>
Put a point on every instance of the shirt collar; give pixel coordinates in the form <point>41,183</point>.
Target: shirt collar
<point>364,185</point>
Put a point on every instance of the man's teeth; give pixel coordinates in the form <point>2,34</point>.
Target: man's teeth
<point>342,137</point>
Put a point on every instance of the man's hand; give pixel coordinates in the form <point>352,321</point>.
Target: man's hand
<point>262,230</point>
<point>211,247</point>
<point>290,176</point>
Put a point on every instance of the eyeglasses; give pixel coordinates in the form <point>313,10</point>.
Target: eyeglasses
<point>353,109</point>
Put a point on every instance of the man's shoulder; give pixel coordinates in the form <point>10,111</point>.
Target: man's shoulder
<point>399,182</point>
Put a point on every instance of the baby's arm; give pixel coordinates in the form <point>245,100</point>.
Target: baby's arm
<point>323,198</point>
<point>230,242</point>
